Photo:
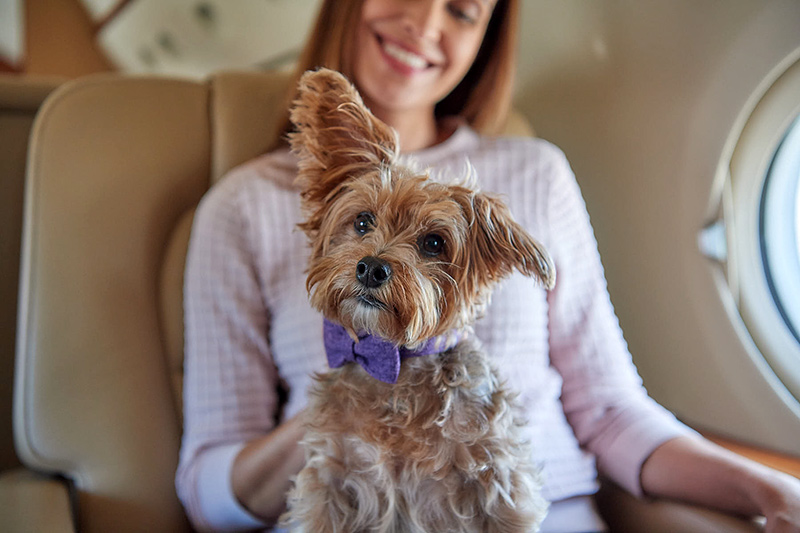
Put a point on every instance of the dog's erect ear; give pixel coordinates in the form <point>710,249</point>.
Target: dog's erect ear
<point>499,244</point>
<point>335,135</point>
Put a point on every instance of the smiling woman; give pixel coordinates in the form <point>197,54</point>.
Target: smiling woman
<point>250,327</point>
<point>410,55</point>
<point>483,93</point>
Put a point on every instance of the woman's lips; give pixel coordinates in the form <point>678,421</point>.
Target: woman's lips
<point>402,57</point>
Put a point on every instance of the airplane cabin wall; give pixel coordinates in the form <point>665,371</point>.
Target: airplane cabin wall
<point>643,97</point>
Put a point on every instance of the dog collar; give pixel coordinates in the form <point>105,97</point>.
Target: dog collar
<point>379,357</point>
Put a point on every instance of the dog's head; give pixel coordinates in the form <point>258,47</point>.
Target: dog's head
<point>392,252</point>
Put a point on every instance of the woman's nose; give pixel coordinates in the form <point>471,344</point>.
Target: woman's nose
<point>424,18</point>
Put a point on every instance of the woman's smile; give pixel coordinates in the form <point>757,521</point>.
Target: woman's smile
<point>409,55</point>
<point>409,61</point>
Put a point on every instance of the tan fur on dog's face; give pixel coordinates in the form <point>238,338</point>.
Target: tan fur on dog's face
<point>440,247</point>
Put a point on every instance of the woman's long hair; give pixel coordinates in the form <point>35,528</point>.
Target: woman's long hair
<point>482,98</point>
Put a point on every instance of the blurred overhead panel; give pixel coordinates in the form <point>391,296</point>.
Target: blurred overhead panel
<point>193,38</point>
<point>102,9</point>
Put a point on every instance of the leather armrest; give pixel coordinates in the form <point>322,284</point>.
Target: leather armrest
<point>31,502</point>
<point>624,513</point>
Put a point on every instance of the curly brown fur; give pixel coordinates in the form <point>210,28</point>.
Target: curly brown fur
<point>440,450</point>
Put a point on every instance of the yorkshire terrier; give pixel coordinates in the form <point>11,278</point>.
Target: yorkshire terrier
<point>420,434</point>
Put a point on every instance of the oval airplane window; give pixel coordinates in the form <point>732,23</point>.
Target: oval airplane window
<point>780,228</point>
<point>763,223</point>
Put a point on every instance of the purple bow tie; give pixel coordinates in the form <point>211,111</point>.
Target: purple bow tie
<point>380,358</point>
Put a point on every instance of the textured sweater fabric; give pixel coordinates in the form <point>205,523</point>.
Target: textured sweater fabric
<point>249,326</point>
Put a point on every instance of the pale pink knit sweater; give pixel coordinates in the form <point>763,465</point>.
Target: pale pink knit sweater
<point>249,325</point>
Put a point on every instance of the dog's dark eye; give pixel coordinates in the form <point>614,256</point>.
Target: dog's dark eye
<point>431,244</point>
<point>364,223</point>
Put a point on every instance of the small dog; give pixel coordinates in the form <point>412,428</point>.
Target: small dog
<point>400,267</point>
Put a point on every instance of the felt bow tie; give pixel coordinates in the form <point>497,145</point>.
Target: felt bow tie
<point>380,358</point>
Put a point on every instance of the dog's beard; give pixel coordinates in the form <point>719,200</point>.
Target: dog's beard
<point>363,316</point>
<point>407,311</point>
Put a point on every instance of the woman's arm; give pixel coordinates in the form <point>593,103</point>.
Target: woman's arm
<point>694,470</point>
<point>636,443</point>
<point>230,380</point>
<point>602,394</point>
<point>263,468</point>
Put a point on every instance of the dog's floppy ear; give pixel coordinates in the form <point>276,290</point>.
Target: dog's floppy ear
<point>335,135</point>
<point>499,244</point>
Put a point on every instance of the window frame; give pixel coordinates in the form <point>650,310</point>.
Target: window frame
<point>751,161</point>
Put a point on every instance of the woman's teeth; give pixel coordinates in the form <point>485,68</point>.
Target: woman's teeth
<point>404,56</point>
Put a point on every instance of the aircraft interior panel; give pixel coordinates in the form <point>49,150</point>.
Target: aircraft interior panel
<point>656,105</point>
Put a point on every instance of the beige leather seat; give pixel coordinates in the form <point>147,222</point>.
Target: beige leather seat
<point>20,99</point>
<point>117,166</point>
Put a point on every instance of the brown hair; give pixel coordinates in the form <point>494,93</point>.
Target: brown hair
<point>482,98</point>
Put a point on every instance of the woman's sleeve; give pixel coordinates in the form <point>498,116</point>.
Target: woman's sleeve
<point>229,379</point>
<point>603,396</point>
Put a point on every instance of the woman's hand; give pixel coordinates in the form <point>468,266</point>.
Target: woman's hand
<point>779,499</point>
<point>263,470</point>
<point>694,470</point>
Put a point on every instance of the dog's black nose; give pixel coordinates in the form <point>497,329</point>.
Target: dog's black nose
<point>373,272</point>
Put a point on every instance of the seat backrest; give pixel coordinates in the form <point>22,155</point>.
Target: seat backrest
<point>20,99</point>
<point>115,163</point>
<point>247,108</point>
<point>117,166</point>
<point>243,112</point>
